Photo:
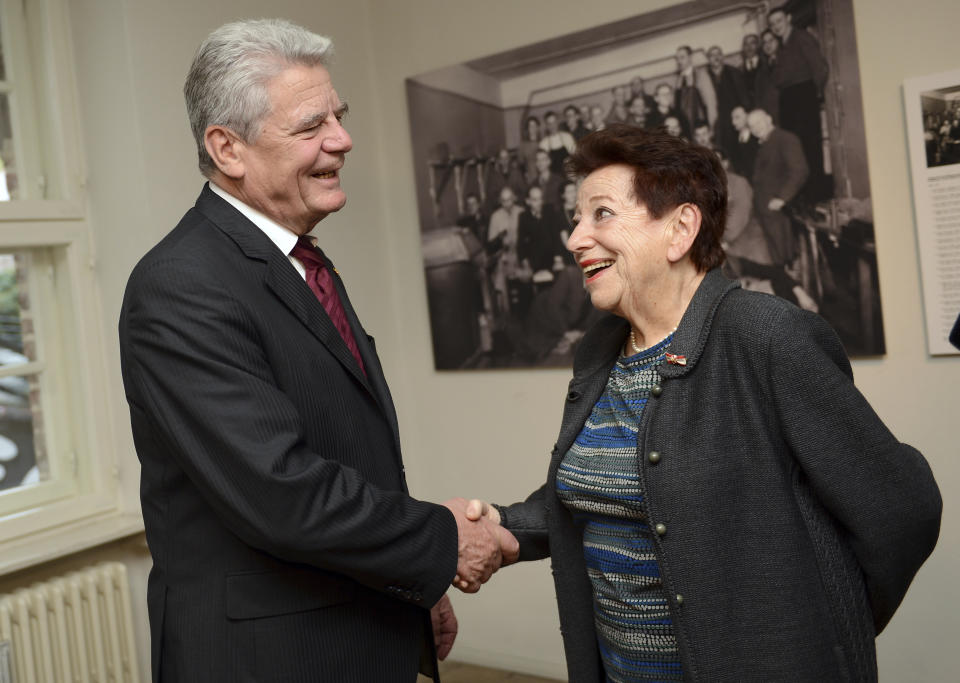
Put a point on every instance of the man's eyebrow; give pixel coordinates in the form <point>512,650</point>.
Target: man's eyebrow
<point>312,120</point>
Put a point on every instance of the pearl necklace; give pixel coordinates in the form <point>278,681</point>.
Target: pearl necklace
<point>636,348</point>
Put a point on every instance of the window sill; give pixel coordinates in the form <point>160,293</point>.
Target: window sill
<point>67,539</point>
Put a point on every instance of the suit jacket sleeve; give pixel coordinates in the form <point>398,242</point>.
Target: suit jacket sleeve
<point>880,491</point>
<point>193,357</point>
<point>793,163</point>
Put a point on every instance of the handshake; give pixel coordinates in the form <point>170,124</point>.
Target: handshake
<point>483,547</point>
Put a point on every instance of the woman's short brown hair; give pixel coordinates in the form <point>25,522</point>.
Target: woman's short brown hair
<point>668,171</point>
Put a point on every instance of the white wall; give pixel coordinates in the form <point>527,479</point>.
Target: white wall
<point>488,433</point>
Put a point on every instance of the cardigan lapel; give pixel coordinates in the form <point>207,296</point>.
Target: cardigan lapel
<point>694,329</point>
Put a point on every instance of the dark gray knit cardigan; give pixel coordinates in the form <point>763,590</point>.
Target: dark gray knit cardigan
<point>795,521</point>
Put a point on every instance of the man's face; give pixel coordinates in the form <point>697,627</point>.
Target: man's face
<point>779,23</point>
<point>715,57</point>
<point>738,117</point>
<point>543,161</point>
<point>701,136</point>
<point>572,117</point>
<point>552,124</point>
<point>535,200</point>
<point>291,172</point>
<point>751,45</point>
<point>473,205</point>
<point>683,59</point>
<point>506,198</point>
<point>638,109</point>
<point>672,125</point>
<point>503,158</point>
<point>636,86</point>
<point>596,116</point>
<point>760,124</point>
<point>664,96</point>
<point>770,44</point>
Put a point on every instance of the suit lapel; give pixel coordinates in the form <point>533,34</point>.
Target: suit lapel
<point>281,278</point>
<point>371,362</point>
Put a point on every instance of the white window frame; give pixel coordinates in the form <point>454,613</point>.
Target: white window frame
<point>81,504</point>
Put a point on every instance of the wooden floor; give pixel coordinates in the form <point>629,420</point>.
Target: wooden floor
<point>455,672</point>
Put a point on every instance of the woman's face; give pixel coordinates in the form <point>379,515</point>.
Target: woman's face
<point>621,249</point>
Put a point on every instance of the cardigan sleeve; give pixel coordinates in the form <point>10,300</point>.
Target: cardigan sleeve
<point>527,521</point>
<point>879,490</point>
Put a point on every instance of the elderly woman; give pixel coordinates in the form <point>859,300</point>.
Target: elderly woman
<point>722,503</point>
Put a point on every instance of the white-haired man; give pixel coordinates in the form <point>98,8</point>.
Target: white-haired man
<point>285,544</point>
<point>779,171</point>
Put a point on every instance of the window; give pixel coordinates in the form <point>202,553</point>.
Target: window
<point>58,483</point>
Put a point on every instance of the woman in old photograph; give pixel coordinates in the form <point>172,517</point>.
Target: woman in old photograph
<point>722,503</point>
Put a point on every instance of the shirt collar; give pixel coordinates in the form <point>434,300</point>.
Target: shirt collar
<point>284,238</point>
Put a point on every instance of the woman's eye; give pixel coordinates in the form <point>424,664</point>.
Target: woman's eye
<point>602,213</point>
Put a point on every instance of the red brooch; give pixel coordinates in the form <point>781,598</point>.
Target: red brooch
<point>674,359</point>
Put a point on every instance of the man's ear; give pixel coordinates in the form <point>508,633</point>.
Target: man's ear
<point>226,149</point>
<point>686,227</point>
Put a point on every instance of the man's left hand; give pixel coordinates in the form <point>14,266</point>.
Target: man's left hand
<point>444,626</point>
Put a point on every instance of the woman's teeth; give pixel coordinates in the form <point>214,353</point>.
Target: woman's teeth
<point>596,266</point>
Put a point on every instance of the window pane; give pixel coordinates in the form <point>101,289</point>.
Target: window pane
<point>8,167</point>
<point>22,454</point>
<point>22,457</point>
<point>17,343</point>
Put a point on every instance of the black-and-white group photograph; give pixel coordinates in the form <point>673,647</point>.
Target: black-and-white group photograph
<point>941,125</point>
<point>773,88</point>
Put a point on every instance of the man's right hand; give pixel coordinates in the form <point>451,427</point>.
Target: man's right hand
<point>483,546</point>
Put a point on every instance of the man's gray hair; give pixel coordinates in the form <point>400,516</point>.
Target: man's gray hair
<point>227,81</point>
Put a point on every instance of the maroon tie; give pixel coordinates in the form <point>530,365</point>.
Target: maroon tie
<point>321,282</point>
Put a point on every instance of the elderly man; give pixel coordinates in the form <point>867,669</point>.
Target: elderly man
<point>801,76</point>
<point>285,544</point>
<point>731,92</point>
<point>779,172</point>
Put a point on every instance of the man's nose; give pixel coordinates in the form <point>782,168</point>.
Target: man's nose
<point>339,141</point>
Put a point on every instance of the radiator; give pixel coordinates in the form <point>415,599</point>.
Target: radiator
<point>74,629</point>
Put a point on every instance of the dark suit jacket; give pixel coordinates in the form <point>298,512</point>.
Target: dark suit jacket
<point>285,545</point>
<point>780,168</point>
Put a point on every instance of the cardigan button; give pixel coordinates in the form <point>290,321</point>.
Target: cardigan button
<point>653,457</point>
<point>656,390</point>
<point>660,528</point>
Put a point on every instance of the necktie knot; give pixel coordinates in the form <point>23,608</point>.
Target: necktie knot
<point>320,281</point>
<point>306,253</point>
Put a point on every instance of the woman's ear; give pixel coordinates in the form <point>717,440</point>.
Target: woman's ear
<point>226,149</point>
<point>686,227</point>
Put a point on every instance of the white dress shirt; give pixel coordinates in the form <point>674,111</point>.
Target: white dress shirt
<point>284,238</point>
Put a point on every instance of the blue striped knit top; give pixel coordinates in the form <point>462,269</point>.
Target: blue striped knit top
<point>599,482</point>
